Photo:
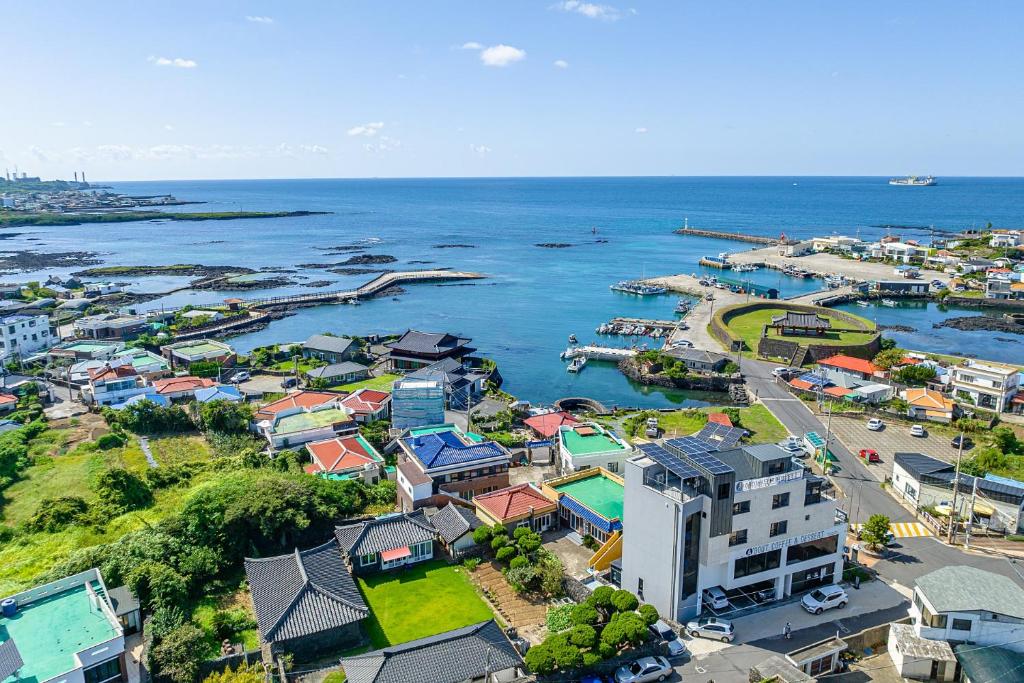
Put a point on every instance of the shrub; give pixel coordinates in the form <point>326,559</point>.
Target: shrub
<point>584,614</point>
<point>499,542</point>
<point>178,654</point>
<point>624,601</point>
<point>122,490</point>
<point>550,573</point>
<point>583,636</point>
<point>520,578</point>
<point>482,535</point>
<point>540,659</point>
<point>567,655</point>
<point>649,613</point>
<point>243,674</point>
<point>559,618</point>
<point>520,532</point>
<point>517,561</point>
<point>506,553</point>
<point>54,514</point>
<point>227,624</point>
<point>471,563</point>
<point>108,441</point>
<point>602,597</point>
<point>875,530</point>
<point>225,417</point>
<point>624,628</point>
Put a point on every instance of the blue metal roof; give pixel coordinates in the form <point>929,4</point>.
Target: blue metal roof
<point>442,449</point>
<point>814,380</point>
<point>218,393</point>
<point>608,526</point>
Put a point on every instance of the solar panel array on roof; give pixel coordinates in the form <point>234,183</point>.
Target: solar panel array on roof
<point>688,445</point>
<point>722,437</point>
<point>673,463</point>
<point>711,464</point>
<point>814,380</point>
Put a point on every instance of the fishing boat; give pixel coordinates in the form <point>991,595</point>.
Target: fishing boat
<point>889,302</point>
<point>914,181</point>
<point>577,364</point>
<point>745,268</point>
<point>682,307</point>
<point>720,261</point>
<point>572,339</point>
<point>863,304</point>
<point>638,288</point>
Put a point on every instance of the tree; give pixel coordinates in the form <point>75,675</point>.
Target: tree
<point>482,535</point>
<point>875,531</point>
<point>376,432</point>
<point>624,601</point>
<point>384,492</point>
<point>584,614</point>
<point>649,613</point>
<point>567,655</point>
<point>986,460</point>
<point>540,659</point>
<point>225,416</point>
<point>889,358</point>
<point>178,654</point>
<point>204,368</point>
<point>243,674</point>
<point>915,375</point>
<point>583,636</point>
<point>1005,440</point>
<point>158,585</point>
<point>602,597</point>
<point>54,514</point>
<point>123,490</point>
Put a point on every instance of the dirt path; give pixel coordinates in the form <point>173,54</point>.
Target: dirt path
<point>514,609</point>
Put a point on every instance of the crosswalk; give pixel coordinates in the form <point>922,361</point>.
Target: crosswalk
<point>903,529</point>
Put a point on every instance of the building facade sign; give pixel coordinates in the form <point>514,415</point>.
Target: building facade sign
<point>795,540</point>
<point>767,482</point>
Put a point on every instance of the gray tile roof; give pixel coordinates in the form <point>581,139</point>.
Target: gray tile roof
<point>10,658</point>
<point>452,522</point>
<point>427,343</point>
<point>303,593</point>
<point>323,342</point>
<point>123,600</point>
<point>697,355</point>
<point>968,589</point>
<point>385,533</point>
<point>460,655</point>
<point>337,369</point>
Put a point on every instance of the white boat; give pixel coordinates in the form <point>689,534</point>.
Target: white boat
<point>577,364</point>
<point>639,288</point>
<point>889,302</point>
<point>572,338</point>
<point>914,181</point>
<point>863,304</point>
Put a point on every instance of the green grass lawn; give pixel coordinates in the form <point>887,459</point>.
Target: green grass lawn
<point>421,601</point>
<point>749,326</point>
<point>756,419</point>
<point>174,450</point>
<point>382,383</point>
<point>236,603</point>
<point>289,366</point>
<point>681,423</point>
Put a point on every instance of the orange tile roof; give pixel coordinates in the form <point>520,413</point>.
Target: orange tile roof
<point>365,400</point>
<point>801,384</point>
<point>850,363</point>
<point>838,391</point>
<point>7,398</point>
<point>929,399</point>
<point>106,372</point>
<point>339,454</point>
<point>547,425</point>
<point>514,501</point>
<point>173,385</point>
<point>299,399</point>
<point>720,418</point>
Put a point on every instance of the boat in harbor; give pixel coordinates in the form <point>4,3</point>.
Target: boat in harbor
<point>721,261</point>
<point>793,271</point>
<point>745,268</point>
<point>682,307</point>
<point>889,302</point>
<point>577,364</point>
<point>863,304</point>
<point>638,288</point>
<point>572,339</point>
<point>914,181</point>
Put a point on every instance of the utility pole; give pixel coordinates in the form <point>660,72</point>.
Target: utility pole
<point>970,514</point>
<point>956,488</point>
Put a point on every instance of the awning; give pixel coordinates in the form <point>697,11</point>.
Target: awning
<point>395,554</point>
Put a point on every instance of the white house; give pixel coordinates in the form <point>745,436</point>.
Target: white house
<point>586,445</point>
<point>114,384</point>
<point>985,384</point>
<point>1004,238</point>
<point>24,335</point>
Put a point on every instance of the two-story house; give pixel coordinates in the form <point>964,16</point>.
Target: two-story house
<point>441,462</point>
<point>739,518</point>
<point>415,349</point>
<point>109,385</point>
<point>985,384</point>
<point>24,335</point>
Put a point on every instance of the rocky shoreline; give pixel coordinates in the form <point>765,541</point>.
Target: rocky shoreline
<point>981,322</point>
<point>182,269</point>
<point>554,245</point>
<point>24,261</point>
<point>639,374</point>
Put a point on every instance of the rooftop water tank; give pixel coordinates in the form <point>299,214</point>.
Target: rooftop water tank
<point>9,607</point>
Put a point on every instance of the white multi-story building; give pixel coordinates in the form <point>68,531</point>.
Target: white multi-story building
<point>24,335</point>
<point>746,518</point>
<point>586,445</point>
<point>986,384</point>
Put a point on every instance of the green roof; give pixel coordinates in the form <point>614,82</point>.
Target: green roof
<point>598,442</point>
<point>87,347</point>
<point>598,492</point>
<point>317,418</point>
<point>981,664</point>
<point>48,632</point>
<point>960,588</point>
<point>199,348</point>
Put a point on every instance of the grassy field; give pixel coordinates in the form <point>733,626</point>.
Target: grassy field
<point>382,383</point>
<point>235,603</point>
<point>421,601</point>
<point>749,326</point>
<point>756,419</point>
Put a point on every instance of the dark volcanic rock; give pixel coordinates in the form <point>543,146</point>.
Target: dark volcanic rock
<point>454,246</point>
<point>358,271</point>
<point>897,328</point>
<point>368,259</point>
<point>981,322</point>
<point>554,245</point>
<point>31,260</point>
<point>315,283</point>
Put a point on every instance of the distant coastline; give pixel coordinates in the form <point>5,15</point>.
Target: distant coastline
<point>18,220</point>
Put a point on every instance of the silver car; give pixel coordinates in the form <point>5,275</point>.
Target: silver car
<point>664,632</point>
<point>713,628</point>
<point>643,670</point>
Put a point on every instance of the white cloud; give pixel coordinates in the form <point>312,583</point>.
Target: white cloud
<point>641,130</point>
<point>588,9</point>
<point>561,64</point>
<point>176,62</point>
<point>471,45</point>
<point>58,124</point>
<point>168,126</point>
<point>259,19</point>
<point>383,145</point>
<point>501,55</point>
<point>313,149</point>
<point>367,130</point>
<point>480,150</point>
<point>87,124</point>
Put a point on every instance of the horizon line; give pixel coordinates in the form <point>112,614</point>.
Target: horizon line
<point>540,177</point>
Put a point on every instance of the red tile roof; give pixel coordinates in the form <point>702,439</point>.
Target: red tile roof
<point>366,400</point>
<point>514,501</point>
<point>720,418</point>
<point>106,372</point>
<point>7,398</point>
<point>299,399</point>
<point>174,385</point>
<point>339,454</point>
<point>860,365</point>
<point>547,425</point>
<point>838,391</point>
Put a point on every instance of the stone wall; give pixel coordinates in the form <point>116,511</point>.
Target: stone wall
<point>634,371</point>
<point>313,647</point>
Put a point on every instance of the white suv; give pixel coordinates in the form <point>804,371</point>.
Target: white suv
<point>826,597</point>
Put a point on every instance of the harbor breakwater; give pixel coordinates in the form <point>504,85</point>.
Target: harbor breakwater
<point>721,234</point>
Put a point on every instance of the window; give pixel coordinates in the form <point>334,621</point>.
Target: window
<point>754,564</point>
<point>106,671</point>
<point>740,508</point>
<point>811,549</point>
<point>812,492</point>
<point>778,528</point>
<point>937,621</point>
<point>780,500</point>
<point>961,624</point>
<point>738,537</point>
<point>723,490</point>
<point>640,588</point>
<point>367,559</point>
<point>777,467</point>
<point>613,467</point>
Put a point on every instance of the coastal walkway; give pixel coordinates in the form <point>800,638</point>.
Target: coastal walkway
<point>374,286</point>
<point>593,352</point>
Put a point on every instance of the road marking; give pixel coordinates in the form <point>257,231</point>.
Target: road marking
<point>766,398</point>
<point>903,529</point>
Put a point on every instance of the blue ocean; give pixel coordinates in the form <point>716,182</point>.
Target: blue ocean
<point>534,297</point>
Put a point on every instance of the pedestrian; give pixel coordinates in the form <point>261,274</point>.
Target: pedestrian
<point>788,631</point>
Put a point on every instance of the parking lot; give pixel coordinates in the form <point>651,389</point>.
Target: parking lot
<point>893,438</point>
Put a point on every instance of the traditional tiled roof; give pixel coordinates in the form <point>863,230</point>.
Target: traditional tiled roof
<point>174,385</point>
<point>337,369</point>
<point>860,365</point>
<point>298,399</point>
<point>465,654</point>
<point>341,454</point>
<point>513,501</point>
<point>697,356</point>
<point>366,400</point>
<point>807,320</point>
<point>442,449</point>
<point>323,342</point>
<point>453,522</point>
<point>427,343</point>
<point>547,425</point>
<point>303,593</point>
<point>384,533</point>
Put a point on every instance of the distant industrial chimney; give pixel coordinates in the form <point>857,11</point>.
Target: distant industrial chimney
<point>76,176</point>
<point>83,176</point>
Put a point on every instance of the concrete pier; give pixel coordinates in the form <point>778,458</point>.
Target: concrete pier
<point>594,352</point>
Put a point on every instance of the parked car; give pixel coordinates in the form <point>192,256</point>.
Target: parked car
<point>652,430</point>
<point>288,382</point>
<point>241,376</point>
<point>664,632</point>
<point>712,627</point>
<point>826,597</point>
<point>681,344</point>
<point>917,430</point>
<point>870,455</point>
<point>875,425</point>
<point>967,443</point>
<point>780,372</point>
<point>643,670</point>
<point>714,598</point>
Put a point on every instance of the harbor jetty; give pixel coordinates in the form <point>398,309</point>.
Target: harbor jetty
<point>594,352</point>
<point>724,235</point>
<point>371,288</point>
<point>640,327</point>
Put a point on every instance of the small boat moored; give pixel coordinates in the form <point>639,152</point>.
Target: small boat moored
<point>572,339</point>
<point>889,302</point>
<point>863,304</point>
<point>577,364</point>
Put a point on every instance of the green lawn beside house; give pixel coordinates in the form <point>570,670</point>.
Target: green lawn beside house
<point>382,383</point>
<point>420,601</point>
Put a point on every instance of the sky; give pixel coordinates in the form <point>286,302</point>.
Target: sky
<point>135,91</point>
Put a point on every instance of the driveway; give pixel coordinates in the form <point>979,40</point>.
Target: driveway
<point>262,384</point>
<point>572,555</point>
